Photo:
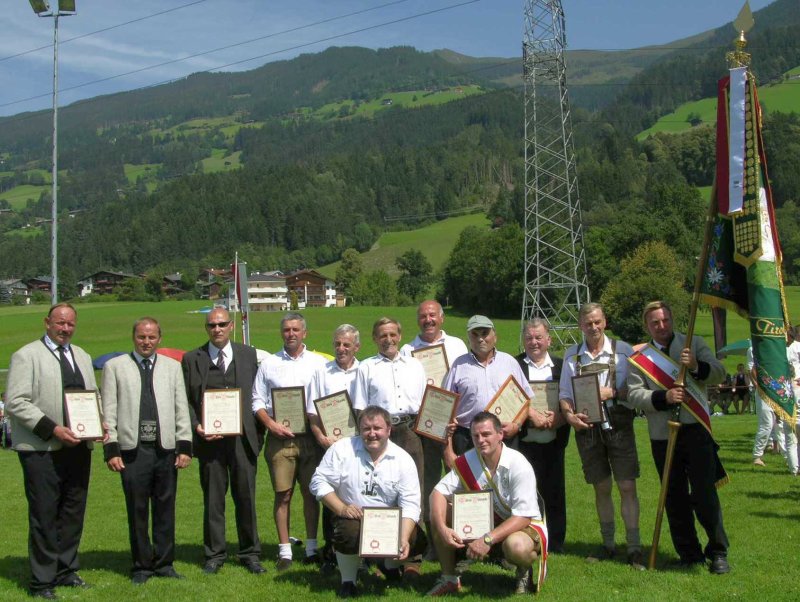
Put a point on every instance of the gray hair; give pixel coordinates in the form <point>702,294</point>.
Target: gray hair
<point>293,316</point>
<point>348,329</point>
<point>588,308</point>
<point>536,323</point>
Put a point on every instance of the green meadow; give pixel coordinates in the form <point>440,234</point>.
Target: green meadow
<point>783,97</point>
<point>19,196</point>
<point>435,241</point>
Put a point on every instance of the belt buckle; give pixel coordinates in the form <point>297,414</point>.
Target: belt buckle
<point>397,419</point>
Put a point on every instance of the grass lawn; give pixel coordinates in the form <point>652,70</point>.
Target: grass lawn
<point>143,170</point>
<point>759,506</point>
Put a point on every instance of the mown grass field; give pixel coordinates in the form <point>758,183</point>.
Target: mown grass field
<point>221,161</point>
<point>760,508</point>
<point>782,97</point>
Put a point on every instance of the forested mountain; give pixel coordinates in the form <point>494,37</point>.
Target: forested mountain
<point>309,175</point>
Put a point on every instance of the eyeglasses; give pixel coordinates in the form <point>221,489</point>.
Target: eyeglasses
<point>212,325</point>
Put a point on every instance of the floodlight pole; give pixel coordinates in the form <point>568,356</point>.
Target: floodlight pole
<point>54,214</point>
<point>64,9</point>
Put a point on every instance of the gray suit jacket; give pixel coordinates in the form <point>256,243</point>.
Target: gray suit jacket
<point>645,395</point>
<point>35,395</point>
<point>122,390</point>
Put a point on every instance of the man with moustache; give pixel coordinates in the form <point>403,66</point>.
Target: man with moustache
<point>338,375</point>
<point>368,470</point>
<point>477,376</point>
<point>605,451</point>
<point>395,383</point>
<point>430,317</point>
<point>55,463</point>
<point>149,437</point>
<point>223,364</point>
<point>696,468</point>
<point>545,447</point>
<point>289,457</point>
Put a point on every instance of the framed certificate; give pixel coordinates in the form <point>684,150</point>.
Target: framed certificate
<point>336,415</point>
<point>434,359</point>
<point>473,515</point>
<point>586,395</point>
<point>380,533</point>
<point>83,414</point>
<point>510,402</point>
<point>435,412</point>
<point>545,395</point>
<point>289,408</point>
<point>222,412</point>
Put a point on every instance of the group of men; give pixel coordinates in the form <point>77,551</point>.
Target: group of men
<point>152,412</point>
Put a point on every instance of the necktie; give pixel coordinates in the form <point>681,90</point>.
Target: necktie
<point>65,365</point>
<point>146,364</point>
<point>221,360</point>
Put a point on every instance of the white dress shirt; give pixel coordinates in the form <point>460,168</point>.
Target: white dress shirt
<point>453,346</point>
<point>348,470</point>
<point>282,370</point>
<point>515,481</point>
<point>329,380</point>
<point>395,385</point>
<point>623,352</point>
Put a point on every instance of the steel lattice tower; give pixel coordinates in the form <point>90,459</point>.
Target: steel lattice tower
<point>555,264</point>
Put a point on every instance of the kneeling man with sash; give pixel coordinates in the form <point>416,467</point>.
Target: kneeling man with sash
<point>696,470</point>
<point>519,532</point>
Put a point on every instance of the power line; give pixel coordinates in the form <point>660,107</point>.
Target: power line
<point>91,33</point>
<point>253,58</point>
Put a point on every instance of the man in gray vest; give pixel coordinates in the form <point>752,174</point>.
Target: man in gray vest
<point>149,437</point>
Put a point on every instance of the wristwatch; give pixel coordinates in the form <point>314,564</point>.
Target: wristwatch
<point>488,539</point>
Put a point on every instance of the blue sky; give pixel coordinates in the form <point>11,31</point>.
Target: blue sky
<point>196,27</point>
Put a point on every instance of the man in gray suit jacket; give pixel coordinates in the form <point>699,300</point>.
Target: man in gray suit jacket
<point>222,364</point>
<point>149,436</point>
<point>55,463</point>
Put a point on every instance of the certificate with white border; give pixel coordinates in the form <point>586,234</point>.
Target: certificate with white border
<point>435,412</point>
<point>336,415</point>
<point>545,395</point>
<point>473,514</point>
<point>434,360</point>
<point>380,532</point>
<point>289,408</point>
<point>83,415</point>
<point>222,412</point>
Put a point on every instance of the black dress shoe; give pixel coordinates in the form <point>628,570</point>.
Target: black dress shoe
<point>47,594</point>
<point>212,567</point>
<point>254,567</point>
<point>313,559</point>
<point>73,580</point>
<point>140,578</point>
<point>719,565</point>
<point>347,589</point>
<point>170,573</point>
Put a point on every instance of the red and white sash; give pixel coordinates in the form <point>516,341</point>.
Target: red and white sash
<point>470,468</point>
<point>663,370</point>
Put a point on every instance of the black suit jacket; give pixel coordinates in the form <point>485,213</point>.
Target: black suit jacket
<point>562,433</point>
<point>196,364</point>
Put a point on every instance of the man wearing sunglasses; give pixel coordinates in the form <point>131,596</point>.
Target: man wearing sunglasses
<point>223,364</point>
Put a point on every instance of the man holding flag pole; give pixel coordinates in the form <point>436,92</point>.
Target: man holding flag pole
<point>739,269</point>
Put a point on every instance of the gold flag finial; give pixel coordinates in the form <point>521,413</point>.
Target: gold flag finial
<point>744,22</point>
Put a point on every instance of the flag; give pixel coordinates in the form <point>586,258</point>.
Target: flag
<point>742,266</point>
<point>241,282</point>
